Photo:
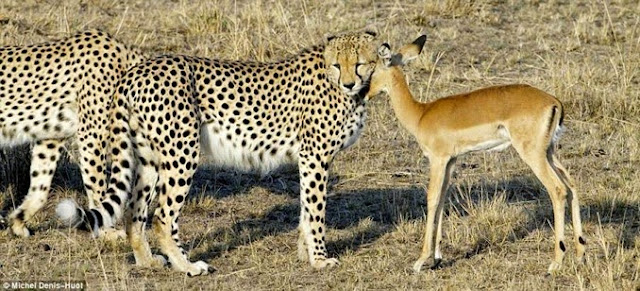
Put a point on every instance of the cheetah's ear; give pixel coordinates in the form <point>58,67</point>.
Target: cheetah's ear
<point>371,32</point>
<point>329,37</point>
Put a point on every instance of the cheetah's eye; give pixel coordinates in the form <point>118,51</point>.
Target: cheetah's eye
<point>337,66</point>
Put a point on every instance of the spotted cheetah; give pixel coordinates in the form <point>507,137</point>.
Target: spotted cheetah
<point>55,90</point>
<point>302,110</point>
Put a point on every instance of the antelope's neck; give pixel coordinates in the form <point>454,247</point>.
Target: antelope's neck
<point>408,110</point>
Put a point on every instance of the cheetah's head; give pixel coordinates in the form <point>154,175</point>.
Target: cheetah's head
<point>351,59</point>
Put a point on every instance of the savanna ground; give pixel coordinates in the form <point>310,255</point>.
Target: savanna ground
<point>497,229</point>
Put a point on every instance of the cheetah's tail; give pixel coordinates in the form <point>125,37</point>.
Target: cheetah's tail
<point>72,215</point>
<point>107,213</point>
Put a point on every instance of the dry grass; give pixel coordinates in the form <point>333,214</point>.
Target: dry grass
<point>498,225</point>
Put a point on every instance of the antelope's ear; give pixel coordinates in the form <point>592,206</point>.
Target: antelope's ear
<point>409,52</point>
<point>384,51</point>
<point>384,54</point>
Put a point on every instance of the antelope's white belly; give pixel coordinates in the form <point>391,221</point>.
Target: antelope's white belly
<point>498,142</point>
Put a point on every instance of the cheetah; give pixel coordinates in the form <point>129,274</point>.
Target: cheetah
<point>304,110</point>
<point>55,90</point>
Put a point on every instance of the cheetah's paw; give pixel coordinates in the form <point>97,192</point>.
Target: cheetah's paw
<point>18,228</point>
<point>20,231</point>
<point>199,268</point>
<point>553,267</point>
<point>325,263</point>
<point>112,234</point>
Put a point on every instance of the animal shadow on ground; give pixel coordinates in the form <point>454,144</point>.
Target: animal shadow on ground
<point>516,190</point>
<point>345,209</point>
<point>385,207</point>
<point>220,183</point>
<point>615,213</point>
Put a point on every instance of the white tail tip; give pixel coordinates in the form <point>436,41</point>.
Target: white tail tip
<point>67,212</point>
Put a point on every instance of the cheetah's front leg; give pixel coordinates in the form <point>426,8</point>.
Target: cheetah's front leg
<point>44,158</point>
<point>313,182</point>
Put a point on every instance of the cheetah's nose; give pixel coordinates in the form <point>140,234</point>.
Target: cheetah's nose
<point>349,86</point>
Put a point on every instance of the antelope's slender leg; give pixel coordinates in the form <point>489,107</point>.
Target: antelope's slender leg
<point>437,254</point>
<point>535,155</point>
<point>437,180</point>
<point>573,201</point>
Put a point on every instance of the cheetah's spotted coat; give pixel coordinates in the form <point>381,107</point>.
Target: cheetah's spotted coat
<point>52,91</point>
